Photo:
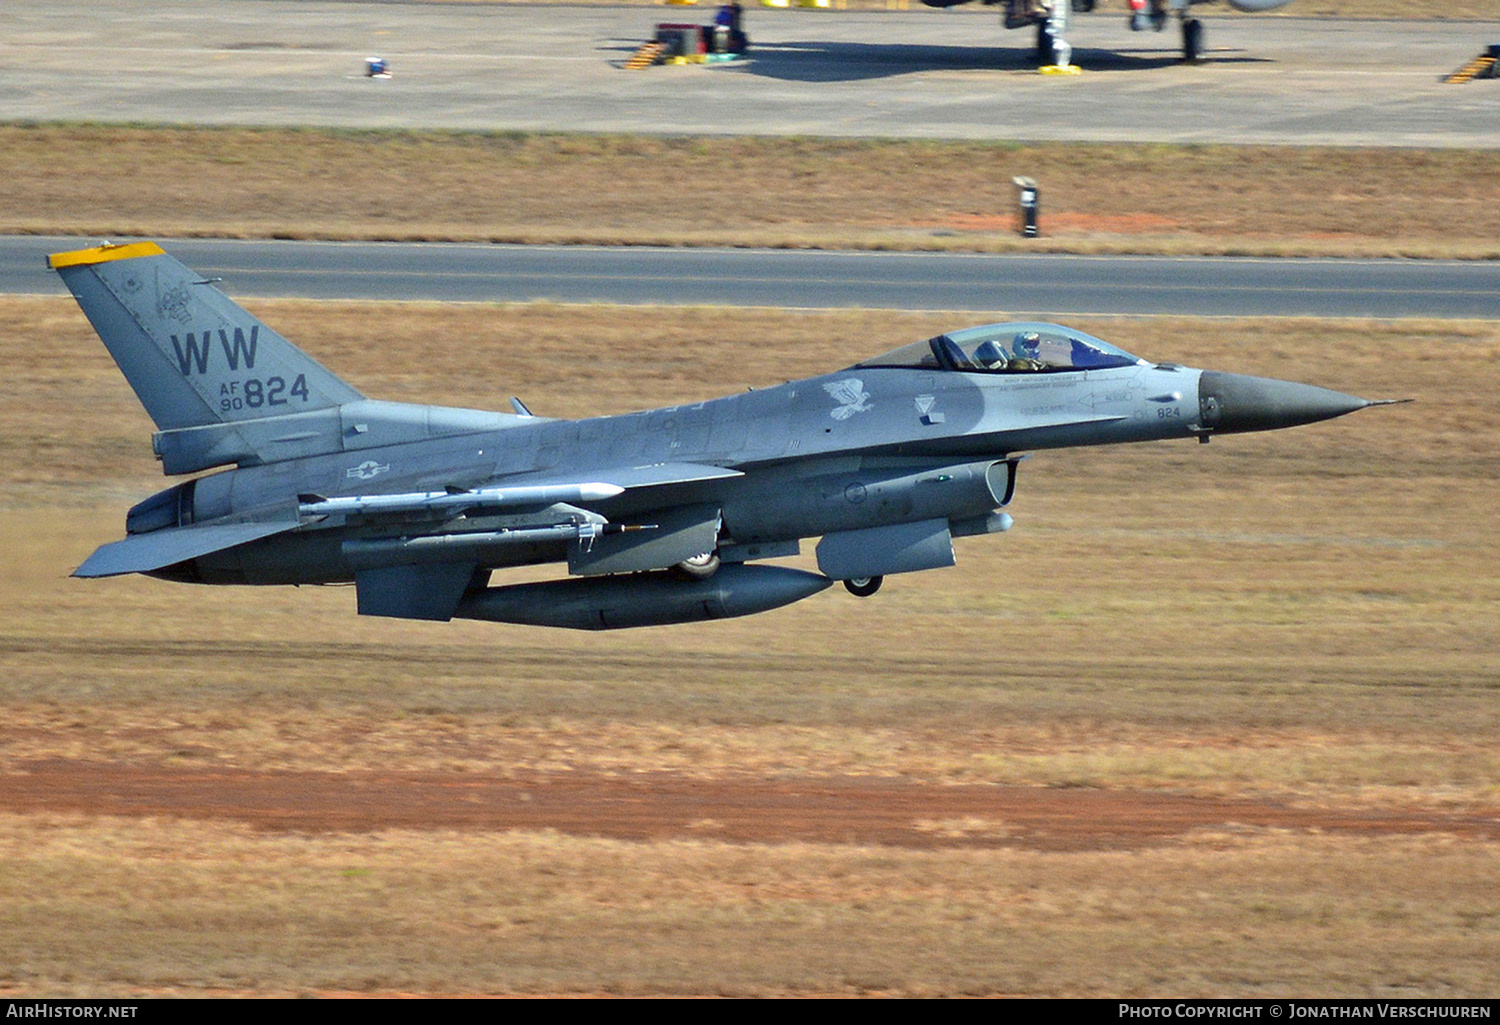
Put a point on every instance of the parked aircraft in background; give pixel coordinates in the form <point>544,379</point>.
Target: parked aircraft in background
<point>1051,20</point>
<point>661,516</point>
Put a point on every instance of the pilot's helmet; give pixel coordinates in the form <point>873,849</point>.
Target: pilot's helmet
<point>1028,345</point>
<point>990,355</point>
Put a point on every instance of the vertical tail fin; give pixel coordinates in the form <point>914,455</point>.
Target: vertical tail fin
<point>193,356</point>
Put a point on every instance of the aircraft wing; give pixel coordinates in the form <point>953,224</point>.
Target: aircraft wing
<point>628,478</point>
<point>157,549</point>
<point>142,553</point>
<point>521,492</point>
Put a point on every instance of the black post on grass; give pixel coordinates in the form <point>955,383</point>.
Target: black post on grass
<point>1029,204</point>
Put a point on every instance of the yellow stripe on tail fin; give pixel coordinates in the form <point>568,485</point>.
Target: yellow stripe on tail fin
<point>103,254</point>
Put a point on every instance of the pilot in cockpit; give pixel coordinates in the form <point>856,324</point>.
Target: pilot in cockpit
<point>991,355</point>
<point>1028,350</point>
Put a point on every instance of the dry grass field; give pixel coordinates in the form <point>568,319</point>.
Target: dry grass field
<point>1211,720</point>
<point>823,193</point>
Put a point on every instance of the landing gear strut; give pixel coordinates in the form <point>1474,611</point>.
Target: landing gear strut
<point>1154,13</point>
<point>1192,38</point>
<point>1044,50</point>
<point>1055,31</point>
<point>1051,21</point>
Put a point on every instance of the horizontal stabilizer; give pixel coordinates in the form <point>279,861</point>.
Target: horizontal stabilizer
<point>143,553</point>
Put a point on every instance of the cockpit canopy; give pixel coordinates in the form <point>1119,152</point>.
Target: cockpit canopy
<point>1017,348</point>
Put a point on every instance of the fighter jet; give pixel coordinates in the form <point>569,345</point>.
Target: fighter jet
<point>1051,19</point>
<point>663,516</point>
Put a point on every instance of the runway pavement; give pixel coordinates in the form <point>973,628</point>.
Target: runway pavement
<point>919,73</point>
<point>1045,286</point>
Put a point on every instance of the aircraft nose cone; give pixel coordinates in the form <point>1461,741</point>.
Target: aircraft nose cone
<point>1233,403</point>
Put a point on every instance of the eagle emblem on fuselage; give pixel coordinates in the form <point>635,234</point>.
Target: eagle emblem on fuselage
<point>850,394</point>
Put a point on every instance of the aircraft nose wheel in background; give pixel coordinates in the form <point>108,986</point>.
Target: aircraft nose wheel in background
<point>863,587</point>
<point>699,567</point>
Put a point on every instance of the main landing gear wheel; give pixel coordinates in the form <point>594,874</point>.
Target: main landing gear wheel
<point>1192,39</point>
<point>699,567</point>
<point>863,587</point>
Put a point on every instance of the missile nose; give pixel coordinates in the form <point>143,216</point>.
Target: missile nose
<point>1234,403</point>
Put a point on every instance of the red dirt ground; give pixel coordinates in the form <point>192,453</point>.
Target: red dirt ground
<point>856,810</point>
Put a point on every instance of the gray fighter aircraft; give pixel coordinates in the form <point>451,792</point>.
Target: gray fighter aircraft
<point>661,516</point>
<point>1051,19</point>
